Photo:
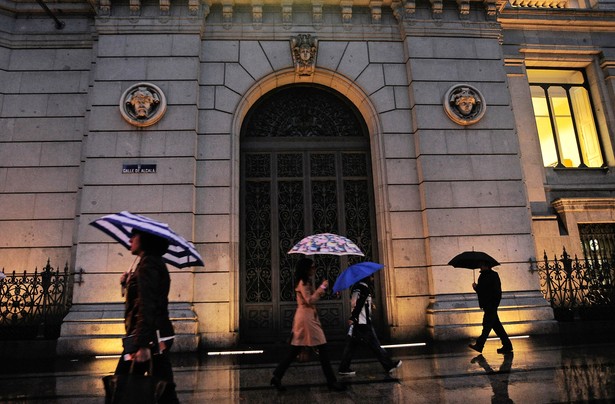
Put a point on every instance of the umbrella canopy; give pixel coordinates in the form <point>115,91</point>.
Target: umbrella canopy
<point>181,253</point>
<point>355,273</point>
<point>326,243</point>
<point>473,260</point>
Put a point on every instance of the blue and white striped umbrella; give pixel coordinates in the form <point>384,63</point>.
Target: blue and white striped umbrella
<point>181,252</point>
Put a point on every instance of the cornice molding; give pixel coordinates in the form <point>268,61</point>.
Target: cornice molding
<point>533,19</point>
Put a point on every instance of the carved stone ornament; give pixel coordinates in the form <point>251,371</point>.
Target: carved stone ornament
<point>303,48</point>
<point>143,104</point>
<point>464,104</point>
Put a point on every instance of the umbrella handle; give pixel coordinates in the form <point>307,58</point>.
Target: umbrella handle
<point>474,275</point>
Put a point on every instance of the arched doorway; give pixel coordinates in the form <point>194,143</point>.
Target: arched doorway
<point>305,169</point>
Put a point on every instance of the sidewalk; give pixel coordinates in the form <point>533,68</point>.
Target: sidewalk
<point>577,365</point>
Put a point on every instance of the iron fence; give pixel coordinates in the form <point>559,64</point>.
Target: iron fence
<point>577,288</point>
<point>33,305</point>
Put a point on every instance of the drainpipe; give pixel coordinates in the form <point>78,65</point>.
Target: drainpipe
<point>59,24</point>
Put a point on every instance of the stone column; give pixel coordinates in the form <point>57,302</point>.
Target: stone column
<point>161,49</point>
<point>471,182</point>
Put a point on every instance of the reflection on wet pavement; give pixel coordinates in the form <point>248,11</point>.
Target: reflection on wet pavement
<point>539,371</point>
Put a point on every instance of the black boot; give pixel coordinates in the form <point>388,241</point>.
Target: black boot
<point>277,382</point>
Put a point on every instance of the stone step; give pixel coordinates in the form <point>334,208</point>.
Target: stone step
<point>97,329</point>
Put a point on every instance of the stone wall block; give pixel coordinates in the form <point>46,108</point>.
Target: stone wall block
<point>116,69</point>
<point>470,168</point>
<point>406,225</point>
<point>395,74</point>
<point>330,54</point>
<point>237,78</point>
<point>402,98</point>
<point>409,252</point>
<point>41,179</point>
<point>212,228</point>
<point>28,129</point>
<point>466,221</point>
<point>214,173</point>
<point>207,97</point>
<point>386,52</point>
<point>220,51</point>
<point>398,145</point>
<point>177,68</point>
<point>453,48</point>
<point>404,197</point>
<point>383,99</point>
<point>467,141</point>
<point>226,99</point>
<point>218,256</point>
<point>25,105</point>
<point>253,59</point>
<point>401,171</point>
<point>214,147</point>
<point>396,121</point>
<point>464,71</point>
<point>473,194</point>
<point>66,105</point>
<point>212,74</point>
<point>354,60</point>
<point>50,59</point>
<point>212,287</point>
<point>36,233</point>
<point>278,54</point>
<point>60,154</point>
<point>212,121</point>
<point>213,200</point>
<point>371,79</point>
<point>20,154</point>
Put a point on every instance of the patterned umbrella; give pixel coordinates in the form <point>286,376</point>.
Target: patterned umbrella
<point>181,252</point>
<point>326,243</point>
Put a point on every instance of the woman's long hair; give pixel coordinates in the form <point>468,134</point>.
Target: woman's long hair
<point>302,271</point>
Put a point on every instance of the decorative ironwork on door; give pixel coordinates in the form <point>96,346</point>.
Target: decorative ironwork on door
<point>305,169</point>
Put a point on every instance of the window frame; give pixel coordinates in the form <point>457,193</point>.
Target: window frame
<point>585,85</point>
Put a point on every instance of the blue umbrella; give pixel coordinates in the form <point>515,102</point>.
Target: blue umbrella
<point>355,273</point>
<point>181,253</point>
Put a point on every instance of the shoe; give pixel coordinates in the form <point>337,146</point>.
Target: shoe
<point>337,386</point>
<point>275,381</point>
<point>476,347</point>
<point>347,372</point>
<point>505,350</point>
<point>395,366</point>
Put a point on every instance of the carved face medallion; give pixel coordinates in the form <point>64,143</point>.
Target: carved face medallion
<point>143,104</point>
<point>464,104</point>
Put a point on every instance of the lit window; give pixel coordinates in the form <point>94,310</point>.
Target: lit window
<point>565,118</point>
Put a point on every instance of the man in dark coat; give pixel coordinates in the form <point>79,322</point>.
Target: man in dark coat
<point>489,291</point>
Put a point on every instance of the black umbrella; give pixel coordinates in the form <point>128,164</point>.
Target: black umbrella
<point>473,260</point>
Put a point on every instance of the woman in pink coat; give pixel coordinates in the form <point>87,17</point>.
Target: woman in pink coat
<point>307,330</point>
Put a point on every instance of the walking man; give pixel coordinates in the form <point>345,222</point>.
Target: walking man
<point>489,291</point>
<point>361,330</point>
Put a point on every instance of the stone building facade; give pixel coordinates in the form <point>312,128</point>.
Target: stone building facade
<point>286,118</point>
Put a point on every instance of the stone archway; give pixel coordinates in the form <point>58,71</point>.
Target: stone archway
<point>306,168</point>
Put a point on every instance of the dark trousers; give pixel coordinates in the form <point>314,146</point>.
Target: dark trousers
<point>491,321</point>
<point>294,350</point>
<point>161,368</point>
<point>364,334</point>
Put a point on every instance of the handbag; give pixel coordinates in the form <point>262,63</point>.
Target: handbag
<point>133,388</point>
<point>307,354</point>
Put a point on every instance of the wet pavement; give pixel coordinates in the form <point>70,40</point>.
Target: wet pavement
<point>569,367</point>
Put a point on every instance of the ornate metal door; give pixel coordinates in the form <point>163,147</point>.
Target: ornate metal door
<point>305,166</point>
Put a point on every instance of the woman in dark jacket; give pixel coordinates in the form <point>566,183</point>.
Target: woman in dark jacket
<point>149,332</point>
